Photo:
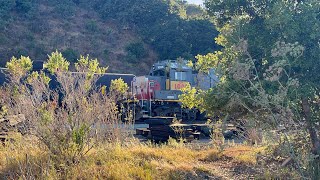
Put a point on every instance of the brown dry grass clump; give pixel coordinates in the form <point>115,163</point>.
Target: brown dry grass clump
<point>131,160</point>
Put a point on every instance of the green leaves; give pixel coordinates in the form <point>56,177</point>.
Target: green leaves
<point>56,63</point>
<point>162,26</point>
<point>79,135</point>
<point>90,66</point>
<point>119,86</point>
<point>135,51</point>
<point>189,97</point>
<point>34,76</point>
<point>19,67</point>
<point>274,31</point>
<point>46,114</point>
<point>5,7</point>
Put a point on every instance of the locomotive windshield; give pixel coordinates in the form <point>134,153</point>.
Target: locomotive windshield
<point>159,73</point>
<point>181,76</point>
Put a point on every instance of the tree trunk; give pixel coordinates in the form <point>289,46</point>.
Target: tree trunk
<point>313,134</point>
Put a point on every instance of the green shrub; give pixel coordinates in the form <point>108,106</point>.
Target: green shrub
<point>135,51</point>
<point>65,10</point>
<point>70,54</point>
<point>119,86</point>
<point>56,62</point>
<point>91,26</point>
<point>5,7</point>
<point>19,67</point>
<point>24,6</point>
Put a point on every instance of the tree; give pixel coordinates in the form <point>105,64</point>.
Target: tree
<point>266,49</point>
<point>164,25</point>
<point>24,6</point>
<point>135,51</point>
<point>5,7</point>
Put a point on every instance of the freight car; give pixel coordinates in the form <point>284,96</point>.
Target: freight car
<point>103,79</point>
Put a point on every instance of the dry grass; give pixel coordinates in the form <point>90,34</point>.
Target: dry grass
<point>244,154</point>
<point>240,153</point>
<point>134,160</point>
<point>24,157</point>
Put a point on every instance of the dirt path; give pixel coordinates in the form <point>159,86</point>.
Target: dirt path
<point>227,170</point>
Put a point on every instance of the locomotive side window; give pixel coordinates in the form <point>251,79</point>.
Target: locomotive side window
<point>182,76</point>
<point>159,73</point>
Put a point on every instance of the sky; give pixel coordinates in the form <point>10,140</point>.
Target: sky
<point>195,1</point>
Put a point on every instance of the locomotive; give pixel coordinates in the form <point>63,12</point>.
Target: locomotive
<point>158,93</point>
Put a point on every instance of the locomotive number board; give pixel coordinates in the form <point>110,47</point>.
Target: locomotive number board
<point>177,85</point>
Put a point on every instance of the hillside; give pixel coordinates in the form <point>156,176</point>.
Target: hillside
<point>119,34</point>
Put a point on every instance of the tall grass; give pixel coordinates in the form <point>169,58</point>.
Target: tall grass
<point>26,159</point>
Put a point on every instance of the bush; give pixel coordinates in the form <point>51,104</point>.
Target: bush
<point>91,26</point>
<point>71,119</point>
<point>135,51</point>
<point>56,62</point>
<point>19,67</point>
<point>70,54</point>
<point>119,86</point>
<point>106,53</point>
<point>65,10</point>
<point>5,7</point>
<point>24,6</point>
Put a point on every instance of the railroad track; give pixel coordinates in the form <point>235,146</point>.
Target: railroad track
<point>160,129</point>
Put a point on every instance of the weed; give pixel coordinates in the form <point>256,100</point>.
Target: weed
<point>244,154</point>
<point>213,155</point>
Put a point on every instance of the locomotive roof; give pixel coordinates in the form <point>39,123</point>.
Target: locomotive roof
<point>172,64</point>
